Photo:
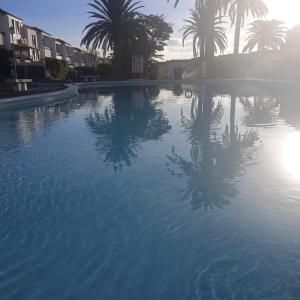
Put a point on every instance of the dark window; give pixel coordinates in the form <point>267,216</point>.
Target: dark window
<point>34,41</point>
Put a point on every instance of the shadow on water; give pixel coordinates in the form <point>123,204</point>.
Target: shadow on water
<point>216,160</point>
<point>131,118</point>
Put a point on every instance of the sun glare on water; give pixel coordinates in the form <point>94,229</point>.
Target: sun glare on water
<point>291,154</point>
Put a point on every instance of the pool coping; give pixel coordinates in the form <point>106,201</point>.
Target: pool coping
<point>183,81</point>
<point>72,89</point>
<point>43,98</point>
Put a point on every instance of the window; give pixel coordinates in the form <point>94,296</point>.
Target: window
<point>1,39</point>
<point>34,41</point>
<point>13,25</point>
<point>18,27</point>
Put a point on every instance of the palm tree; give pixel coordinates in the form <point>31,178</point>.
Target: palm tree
<point>214,7</point>
<point>266,35</point>
<point>176,2</point>
<point>115,24</point>
<point>198,25</point>
<point>239,11</point>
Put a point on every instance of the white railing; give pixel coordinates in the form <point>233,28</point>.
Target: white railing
<point>48,52</point>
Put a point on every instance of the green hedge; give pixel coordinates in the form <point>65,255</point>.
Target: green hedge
<point>58,69</point>
<point>5,64</point>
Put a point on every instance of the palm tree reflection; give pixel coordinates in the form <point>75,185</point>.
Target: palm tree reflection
<point>216,161</point>
<point>130,119</point>
<point>260,110</point>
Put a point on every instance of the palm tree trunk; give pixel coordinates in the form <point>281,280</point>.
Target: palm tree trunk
<point>212,9</point>
<point>238,26</point>
<point>232,118</point>
<point>202,49</point>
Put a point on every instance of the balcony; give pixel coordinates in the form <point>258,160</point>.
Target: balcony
<point>59,56</point>
<point>48,52</point>
<point>22,42</point>
<point>69,59</point>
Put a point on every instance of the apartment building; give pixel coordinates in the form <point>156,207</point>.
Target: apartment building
<point>46,43</point>
<point>32,45</point>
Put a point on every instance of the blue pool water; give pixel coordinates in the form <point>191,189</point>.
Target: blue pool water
<point>152,193</point>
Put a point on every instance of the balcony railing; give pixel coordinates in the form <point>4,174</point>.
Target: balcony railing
<point>22,42</point>
<point>59,56</point>
<point>48,52</point>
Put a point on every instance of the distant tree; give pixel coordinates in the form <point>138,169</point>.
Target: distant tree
<point>156,34</point>
<point>239,11</point>
<point>266,35</point>
<point>116,25</point>
<point>198,25</point>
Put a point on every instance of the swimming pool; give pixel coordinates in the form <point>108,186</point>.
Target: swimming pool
<point>171,192</point>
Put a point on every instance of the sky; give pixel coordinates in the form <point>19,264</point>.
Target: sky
<point>66,18</point>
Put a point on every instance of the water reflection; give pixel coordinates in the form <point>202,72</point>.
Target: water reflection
<point>131,118</point>
<point>260,110</point>
<point>19,127</point>
<point>290,154</point>
<point>217,158</point>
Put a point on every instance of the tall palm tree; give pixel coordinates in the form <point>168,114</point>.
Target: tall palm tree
<point>198,25</point>
<point>115,24</point>
<point>266,35</point>
<point>214,7</point>
<point>239,11</point>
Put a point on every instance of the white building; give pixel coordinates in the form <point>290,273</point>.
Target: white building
<point>46,44</point>
<point>167,69</point>
<point>32,45</point>
<point>31,37</point>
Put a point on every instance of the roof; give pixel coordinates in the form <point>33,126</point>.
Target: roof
<point>78,49</point>
<point>175,61</point>
<point>62,42</point>
<point>40,30</point>
<point>37,29</point>
<point>4,12</point>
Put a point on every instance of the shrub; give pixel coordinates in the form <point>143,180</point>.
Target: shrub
<point>72,74</point>
<point>105,71</point>
<point>153,71</point>
<point>5,87</point>
<point>5,64</point>
<point>58,69</point>
<point>85,71</point>
<point>178,73</point>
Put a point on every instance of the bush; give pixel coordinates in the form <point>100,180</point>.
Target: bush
<point>58,69</point>
<point>72,74</point>
<point>105,71</point>
<point>178,73</point>
<point>153,71</point>
<point>85,71</point>
<point>5,87</point>
<point>5,64</point>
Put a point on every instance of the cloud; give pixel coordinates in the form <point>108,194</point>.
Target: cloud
<point>175,50</point>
